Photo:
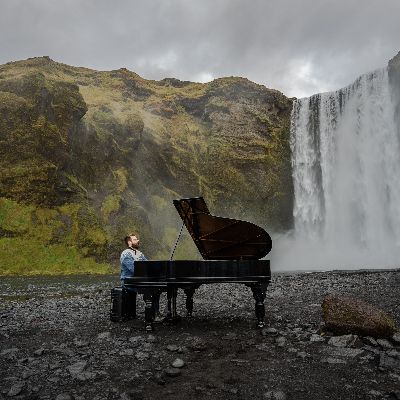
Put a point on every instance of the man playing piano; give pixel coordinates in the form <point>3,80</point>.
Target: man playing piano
<point>127,262</point>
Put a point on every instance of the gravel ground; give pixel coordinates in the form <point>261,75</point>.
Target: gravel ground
<point>56,342</point>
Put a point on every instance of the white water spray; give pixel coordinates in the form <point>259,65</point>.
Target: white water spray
<point>346,174</point>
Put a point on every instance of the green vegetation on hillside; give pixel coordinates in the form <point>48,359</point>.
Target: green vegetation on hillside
<point>90,156</point>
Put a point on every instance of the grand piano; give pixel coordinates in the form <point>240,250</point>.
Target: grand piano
<point>231,250</point>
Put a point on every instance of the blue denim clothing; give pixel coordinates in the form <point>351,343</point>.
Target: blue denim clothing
<point>127,261</point>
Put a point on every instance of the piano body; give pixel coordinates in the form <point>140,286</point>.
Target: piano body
<point>231,250</point>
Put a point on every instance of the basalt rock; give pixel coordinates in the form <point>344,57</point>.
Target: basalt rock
<point>347,315</point>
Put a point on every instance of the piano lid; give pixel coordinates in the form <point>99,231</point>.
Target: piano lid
<point>219,238</point>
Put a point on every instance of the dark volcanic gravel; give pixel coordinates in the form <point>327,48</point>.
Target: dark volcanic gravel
<point>56,342</point>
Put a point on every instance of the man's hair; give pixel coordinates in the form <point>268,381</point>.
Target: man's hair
<point>128,238</point>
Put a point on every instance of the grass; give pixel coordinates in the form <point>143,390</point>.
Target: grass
<point>22,256</point>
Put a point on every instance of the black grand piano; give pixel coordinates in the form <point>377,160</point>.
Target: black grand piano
<point>231,250</point>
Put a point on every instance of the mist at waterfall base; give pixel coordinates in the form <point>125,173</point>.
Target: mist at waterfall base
<point>346,174</point>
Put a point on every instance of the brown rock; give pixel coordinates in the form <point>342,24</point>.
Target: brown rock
<point>344,315</point>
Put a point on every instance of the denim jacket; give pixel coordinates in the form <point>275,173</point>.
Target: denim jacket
<point>127,261</point>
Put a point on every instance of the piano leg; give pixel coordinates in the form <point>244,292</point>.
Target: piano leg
<point>189,301</point>
<point>172,315</point>
<point>169,300</point>
<point>259,296</point>
<point>148,311</point>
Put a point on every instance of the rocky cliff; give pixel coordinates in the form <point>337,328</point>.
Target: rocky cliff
<point>88,156</point>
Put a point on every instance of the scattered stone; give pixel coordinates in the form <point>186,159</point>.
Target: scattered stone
<point>345,352</point>
<point>197,344</point>
<point>80,343</point>
<point>269,332</point>
<point>280,341</point>
<point>331,360</point>
<point>393,353</point>
<point>7,352</point>
<point>126,352</point>
<point>77,368</point>
<point>302,354</point>
<point>394,395</point>
<point>344,341</point>
<point>38,352</point>
<point>375,393</point>
<point>172,347</point>
<point>173,372</point>
<point>64,396</point>
<point>370,341</point>
<point>159,379</point>
<point>178,363</point>
<point>151,339</point>
<point>85,376</point>
<point>16,389</point>
<point>387,362</point>
<point>396,338</point>
<point>344,315</point>
<point>141,356</point>
<point>275,395</point>
<point>384,343</point>
<point>316,338</point>
<point>104,335</point>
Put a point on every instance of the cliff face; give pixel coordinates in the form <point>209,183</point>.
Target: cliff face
<point>88,156</point>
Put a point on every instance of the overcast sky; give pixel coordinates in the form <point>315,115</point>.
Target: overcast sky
<point>300,47</point>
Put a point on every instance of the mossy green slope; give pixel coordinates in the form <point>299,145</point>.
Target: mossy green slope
<point>88,156</point>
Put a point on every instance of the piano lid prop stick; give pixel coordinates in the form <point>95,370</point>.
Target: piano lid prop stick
<point>176,242</point>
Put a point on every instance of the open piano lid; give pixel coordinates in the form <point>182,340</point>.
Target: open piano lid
<point>219,238</point>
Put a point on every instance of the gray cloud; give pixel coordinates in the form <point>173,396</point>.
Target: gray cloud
<point>300,47</point>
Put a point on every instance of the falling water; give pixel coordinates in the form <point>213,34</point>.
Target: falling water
<point>346,174</point>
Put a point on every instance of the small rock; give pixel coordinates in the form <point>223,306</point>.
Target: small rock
<point>178,363</point>
<point>370,341</point>
<point>197,344</point>
<point>16,389</point>
<point>280,341</point>
<point>345,352</point>
<point>9,351</point>
<point>126,352</point>
<point>386,362</point>
<point>85,376</point>
<point>172,372</point>
<point>316,338</point>
<point>394,395</point>
<point>172,347</point>
<point>141,356</point>
<point>104,335</point>
<point>80,343</point>
<point>393,353</point>
<point>151,339</point>
<point>302,354</point>
<point>64,396</point>
<point>385,344</point>
<point>331,360</point>
<point>269,332</point>
<point>343,341</point>
<point>275,395</point>
<point>77,368</point>
<point>375,393</point>
<point>38,352</point>
<point>396,338</point>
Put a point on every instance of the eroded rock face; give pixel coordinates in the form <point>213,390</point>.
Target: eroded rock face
<point>345,315</point>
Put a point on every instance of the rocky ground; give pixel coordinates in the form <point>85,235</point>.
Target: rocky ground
<point>56,342</point>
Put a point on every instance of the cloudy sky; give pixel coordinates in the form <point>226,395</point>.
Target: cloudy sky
<point>300,47</point>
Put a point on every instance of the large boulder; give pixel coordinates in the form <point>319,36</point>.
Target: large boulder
<point>345,315</point>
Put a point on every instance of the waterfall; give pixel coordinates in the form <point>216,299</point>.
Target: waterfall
<point>346,175</point>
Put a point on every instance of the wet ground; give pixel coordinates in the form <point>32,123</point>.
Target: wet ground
<point>56,342</point>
